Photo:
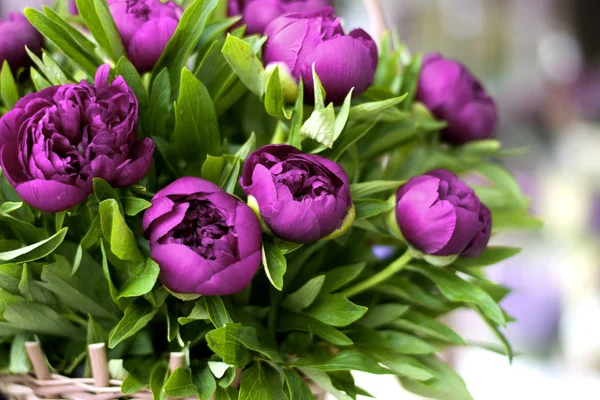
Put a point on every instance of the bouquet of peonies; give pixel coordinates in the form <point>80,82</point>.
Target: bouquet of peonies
<point>247,184</point>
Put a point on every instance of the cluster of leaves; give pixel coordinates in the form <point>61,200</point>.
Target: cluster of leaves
<point>84,276</point>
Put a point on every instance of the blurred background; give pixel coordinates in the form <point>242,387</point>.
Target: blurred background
<point>540,59</point>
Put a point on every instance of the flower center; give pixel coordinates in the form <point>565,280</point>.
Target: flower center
<point>203,230</point>
<point>139,8</point>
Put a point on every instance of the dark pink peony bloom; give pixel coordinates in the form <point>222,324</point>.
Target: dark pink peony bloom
<point>342,61</point>
<point>16,33</point>
<point>54,142</point>
<point>449,90</point>
<point>205,241</point>
<point>257,14</point>
<point>301,197</point>
<point>440,215</point>
<point>146,26</point>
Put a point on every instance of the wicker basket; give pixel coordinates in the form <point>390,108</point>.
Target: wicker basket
<point>44,385</point>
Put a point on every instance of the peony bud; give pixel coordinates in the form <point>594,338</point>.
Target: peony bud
<point>449,90</point>
<point>205,241</point>
<point>257,14</point>
<point>16,33</point>
<point>438,214</point>
<point>146,26</point>
<point>342,61</point>
<point>301,197</point>
<point>54,142</point>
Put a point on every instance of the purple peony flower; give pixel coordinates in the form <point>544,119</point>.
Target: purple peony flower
<point>16,33</point>
<point>257,14</point>
<point>439,215</point>
<point>146,26</point>
<point>205,241</point>
<point>342,62</point>
<point>453,94</point>
<point>301,197</point>
<point>73,10</point>
<point>54,142</point>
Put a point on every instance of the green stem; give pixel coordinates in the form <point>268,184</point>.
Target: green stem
<point>379,277</point>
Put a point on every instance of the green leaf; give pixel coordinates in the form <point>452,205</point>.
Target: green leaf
<point>410,80</point>
<point>343,115</point>
<point>336,310</point>
<point>341,276</point>
<point>322,379</point>
<point>196,126</point>
<point>127,70</point>
<point>137,315</point>
<point>274,101</point>
<point>226,394</point>
<point>213,168</point>
<point>99,21</point>
<point>295,138</point>
<point>95,332</point>
<point>290,321</point>
<point>254,384</point>
<point>446,384</point>
<point>508,350</point>
<point>296,387</point>
<point>366,189</point>
<point>121,239</point>
<point>104,191</point>
<point>205,383</point>
<point>38,80</point>
<point>222,341</point>
<point>406,344</point>
<point>66,38</point>
<point>114,292</point>
<point>458,290</point>
<point>186,36</point>
<point>373,110</point>
<point>320,126</point>
<point>132,206</point>
<point>34,251</point>
<point>368,208</point>
<point>216,311</point>
<point>351,134</point>
<point>19,361</point>
<point>275,264</point>
<point>142,277</point>
<point>180,384</point>
<point>492,255</point>
<point>198,313</point>
<point>405,366</point>
<point>34,290</point>
<point>8,87</point>
<point>247,336</point>
<point>242,58</point>
<point>158,378</point>
<point>10,274</point>
<point>71,291</point>
<point>306,295</point>
<point>345,360</point>
<point>160,102</point>
<point>382,314</point>
<point>40,319</point>
<point>404,289</point>
<point>428,327</point>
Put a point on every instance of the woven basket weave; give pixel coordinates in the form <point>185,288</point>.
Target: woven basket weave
<point>41,384</point>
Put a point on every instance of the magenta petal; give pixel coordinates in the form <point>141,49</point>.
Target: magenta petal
<point>426,224</point>
<point>188,185</point>
<point>160,206</point>
<point>466,227</point>
<point>260,13</point>
<point>50,196</point>
<point>233,279</point>
<point>284,46</point>
<point>9,157</point>
<point>141,160</point>
<point>249,232</point>
<point>181,269</point>
<point>342,63</point>
<point>163,224</point>
<point>149,42</point>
